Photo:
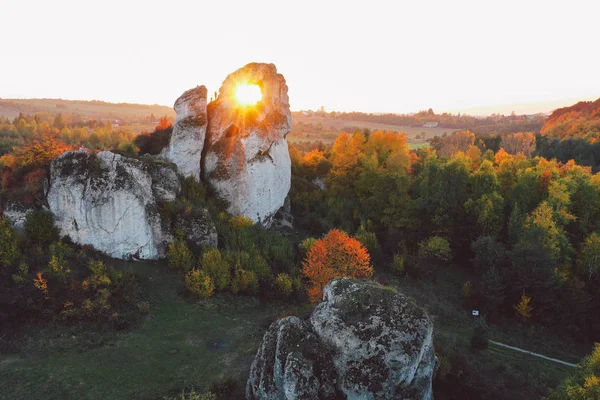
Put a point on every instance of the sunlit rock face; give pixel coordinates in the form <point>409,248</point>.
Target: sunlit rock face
<point>246,159</point>
<point>110,202</point>
<point>362,342</point>
<point>189,130</point>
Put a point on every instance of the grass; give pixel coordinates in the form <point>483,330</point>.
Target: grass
<point>496,368</point>
<point>182,343</point>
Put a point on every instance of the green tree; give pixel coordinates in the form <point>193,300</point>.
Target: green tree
<point>9,249</point>
<point>584,384</point>
<point>589,256</point>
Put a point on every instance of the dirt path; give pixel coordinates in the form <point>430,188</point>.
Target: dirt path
<point>535,354</point>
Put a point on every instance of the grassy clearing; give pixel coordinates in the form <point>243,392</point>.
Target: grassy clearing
<point>182,343</point>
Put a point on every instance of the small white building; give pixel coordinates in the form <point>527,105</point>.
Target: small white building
<point>430,124</point>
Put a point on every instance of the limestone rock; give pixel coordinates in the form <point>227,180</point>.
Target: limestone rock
<point>198,228</point>
<point>110,202</point>
<point>283,220</point>
<point>246,158</point>
<point>189,130</point>
<point>384,344</point>
<point>362,342</point>
<point>291,363</point>
<point>16,214</point>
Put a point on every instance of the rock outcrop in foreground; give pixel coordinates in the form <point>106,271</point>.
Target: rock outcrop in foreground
<point>111,202</point>
<point>246,158</point>
<point>362,342</point>
<point>189,131</point>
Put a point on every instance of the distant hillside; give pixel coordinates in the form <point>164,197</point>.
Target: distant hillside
<point>88,109</point>
<point>579,121</point>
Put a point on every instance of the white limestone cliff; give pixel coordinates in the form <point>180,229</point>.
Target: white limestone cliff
<point>246,158</point>
<point>107,201</point>
<point>189,130</point>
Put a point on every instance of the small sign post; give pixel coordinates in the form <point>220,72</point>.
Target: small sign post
<point>475,313</point>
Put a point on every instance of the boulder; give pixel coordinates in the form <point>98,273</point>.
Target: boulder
<point>110,202</point>
<point>189,130</point>
<point>246,160</point>
<point>16,214</point>
<point>369,343</point>
<point>291,363</point>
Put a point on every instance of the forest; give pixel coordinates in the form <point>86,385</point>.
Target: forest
<point>512,217</point>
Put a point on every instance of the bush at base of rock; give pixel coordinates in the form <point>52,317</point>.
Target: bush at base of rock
<point>199,283</point>
<point>39,227</point>
<point>218,269</point>
<point>398,265</point>
<point>179,256</point>
<point>244,282</point>
<point>283,285</point>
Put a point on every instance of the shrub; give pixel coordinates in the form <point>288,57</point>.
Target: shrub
<point>39,226</point>
<point>398,265</point>
<point>368,239</point>
<point>199,283</point>
<point>244,282</point>
<point>22,272</point>
<point>99,275</point>
<point>9,250</point>
<point>128,149</point>
<point>467,290</point>
<point>306,245</point>
<point>57,266</point>
<point>192,190</point>
<point>435,249</point>
<point>283,285</point>
<point>179,256</point>
<point>217,268</point>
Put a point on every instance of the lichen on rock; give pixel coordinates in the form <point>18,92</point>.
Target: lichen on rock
<point>109,201</point>
<point>372,343</point>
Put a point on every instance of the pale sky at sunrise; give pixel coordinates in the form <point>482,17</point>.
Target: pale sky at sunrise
<point>373,56</point>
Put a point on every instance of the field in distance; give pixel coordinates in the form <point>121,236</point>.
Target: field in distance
<point>94,109</point>
<point>327,128</point>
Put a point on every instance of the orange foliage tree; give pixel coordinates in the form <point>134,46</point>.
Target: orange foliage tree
<point>163,124</point>
<point>334,256</point>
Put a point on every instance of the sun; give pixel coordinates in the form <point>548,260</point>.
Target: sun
<point>248,94</point>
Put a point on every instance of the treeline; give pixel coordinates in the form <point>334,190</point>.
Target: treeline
<point>496,123</point>
<point>522,226</point>
<point>579,121</point>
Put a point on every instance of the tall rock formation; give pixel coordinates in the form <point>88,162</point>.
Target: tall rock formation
<point>362,342</point>
<point>246,160</point>
<point>111,202</point>
<point>189,130</point>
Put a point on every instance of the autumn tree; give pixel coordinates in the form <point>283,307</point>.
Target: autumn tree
<point>457,142</point>
<point>523,309</point>
<point>520,142</point>
<point>335,255</point>
<point>163,123</point>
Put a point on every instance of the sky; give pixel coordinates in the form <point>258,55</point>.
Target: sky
<point>371,56</point>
